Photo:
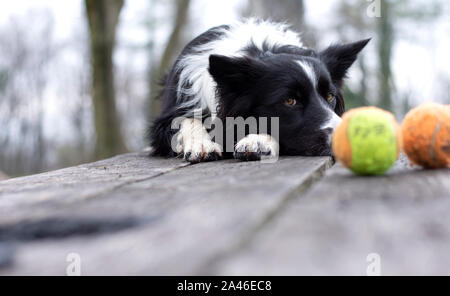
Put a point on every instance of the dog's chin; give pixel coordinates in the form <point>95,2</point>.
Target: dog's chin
<point>318,145</point>
<point>326,152</point>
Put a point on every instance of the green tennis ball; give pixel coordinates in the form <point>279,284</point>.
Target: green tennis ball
<point>367,141</point>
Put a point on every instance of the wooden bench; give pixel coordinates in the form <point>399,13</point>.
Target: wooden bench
<point>135,215</point>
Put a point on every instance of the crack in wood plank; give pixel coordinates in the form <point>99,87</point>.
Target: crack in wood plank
<point>80,183</point>
<point>330,230</point>
<point>211,264</point>
<point>203,209</point>
<point>59,228</point>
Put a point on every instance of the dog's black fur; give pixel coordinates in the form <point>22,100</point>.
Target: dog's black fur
<point>257,83</point>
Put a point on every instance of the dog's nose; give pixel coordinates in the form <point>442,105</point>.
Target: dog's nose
<point>335,121</point>
<point>328,130</point>
<point>332,122</point>
<point>329,133</point>
<point>329,127</point>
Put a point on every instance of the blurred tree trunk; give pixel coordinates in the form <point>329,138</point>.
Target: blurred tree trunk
<point>385,34</point>
<point>364,74</point>
<point>290,11</point>
<point>168,56</point>
<point>103,17</point>
<point>3,176</point>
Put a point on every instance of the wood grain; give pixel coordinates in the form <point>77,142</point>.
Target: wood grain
<point>160,217</point>
<point>403,217</point>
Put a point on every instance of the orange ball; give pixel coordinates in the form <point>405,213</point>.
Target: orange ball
<point>426,135</point>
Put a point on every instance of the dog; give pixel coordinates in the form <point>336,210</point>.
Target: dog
<point>252,69</point>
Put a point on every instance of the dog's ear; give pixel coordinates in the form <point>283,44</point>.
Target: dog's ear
<point>236,77</point>
<point>235,73</point>
<point>339,58</point>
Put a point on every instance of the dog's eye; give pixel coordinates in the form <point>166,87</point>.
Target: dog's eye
<point>290,102</point>
<point>330,97</point>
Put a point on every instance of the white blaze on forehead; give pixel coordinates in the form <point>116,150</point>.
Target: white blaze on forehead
<point>309,71</point>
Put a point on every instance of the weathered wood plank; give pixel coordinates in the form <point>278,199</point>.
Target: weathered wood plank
<point>179,220</point>
<point>403,217</point>
<point>74,184</point>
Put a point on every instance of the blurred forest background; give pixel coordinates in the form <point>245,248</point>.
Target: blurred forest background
<point>78,77</point>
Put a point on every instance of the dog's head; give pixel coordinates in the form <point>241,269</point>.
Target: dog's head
<point>299,86</point>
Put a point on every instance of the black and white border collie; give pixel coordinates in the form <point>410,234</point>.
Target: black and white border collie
<point>254,69</point>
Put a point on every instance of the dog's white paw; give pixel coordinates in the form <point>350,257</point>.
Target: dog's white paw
<point>256,147</point>
<point>203,150</point>
<point>195,143</point>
